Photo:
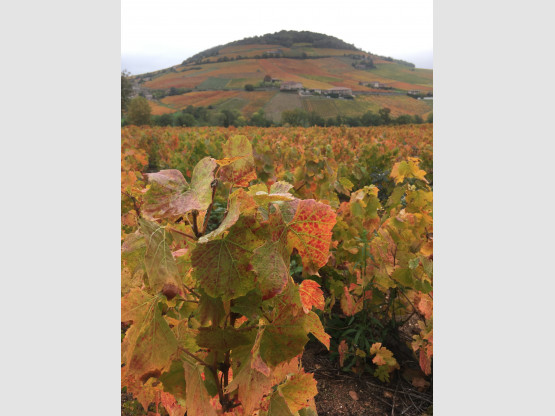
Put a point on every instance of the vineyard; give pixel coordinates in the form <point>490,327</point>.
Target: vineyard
<point>275,271</point>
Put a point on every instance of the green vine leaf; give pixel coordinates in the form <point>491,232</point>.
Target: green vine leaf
<point>160,264</point>
<point>222,267</point>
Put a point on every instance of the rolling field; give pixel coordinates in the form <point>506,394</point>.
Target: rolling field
<point>279,103</point>
<point>398,104</point>
<point>212,83</point>
<point>157,109</point>
<point>225,81</point>
<point>247,102</point>
<point>198,98</point>
<point>404,74</point>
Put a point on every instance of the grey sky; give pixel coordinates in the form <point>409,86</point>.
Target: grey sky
<point>156,34</point>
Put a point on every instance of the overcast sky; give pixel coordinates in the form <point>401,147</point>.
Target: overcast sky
<point>156,34</point>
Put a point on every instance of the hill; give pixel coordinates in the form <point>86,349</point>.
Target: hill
<point>288,70</point>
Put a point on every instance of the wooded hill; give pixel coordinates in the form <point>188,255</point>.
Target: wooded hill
<point>288,70</point>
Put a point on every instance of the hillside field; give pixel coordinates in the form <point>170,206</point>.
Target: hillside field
<point>219,80</point>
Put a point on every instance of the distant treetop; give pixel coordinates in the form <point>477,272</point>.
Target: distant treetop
<point>285,38</point>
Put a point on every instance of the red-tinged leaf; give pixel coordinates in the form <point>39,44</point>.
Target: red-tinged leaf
<point>313,324</point>
<point>242,170</point>
<point>271,260</point>
<point>384,360</point>
<point>171,405</point>
<point>425,362</point>
<point>198,400</point>
<point>256,362</point>
<point>170,195</point>
<point>298,390</point>
<point>160,264</point>
<point>310,233</point>
<point>286,369</point>
<point>311,295</point>
<point>348,305</point>
<point>425,305</point>
<point>222,266</point>
<point>342,349</point>
<point>240,203</point>
<point>145,393</point>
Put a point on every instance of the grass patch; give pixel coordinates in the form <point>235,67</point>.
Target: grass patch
<point>404,74</point>
<point>279,103</point>
<point>213,83</point>
<point>321,78</point>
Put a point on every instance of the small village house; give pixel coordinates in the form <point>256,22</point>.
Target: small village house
<point>341,91</point>
<point>290,86</point>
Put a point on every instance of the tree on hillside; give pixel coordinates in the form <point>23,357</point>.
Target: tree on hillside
<point>126,90</point>
<point>138,112</point>
<point>268,78</point>
<point>249,87</point>
<point>385,114</point>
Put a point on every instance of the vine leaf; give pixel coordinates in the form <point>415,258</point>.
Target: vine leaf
<point>384,360</point>
<point>271,260</point>
<point>408,169</point>
<point>278,406</point>
<point>222,339</point>
<point>160,264</point>
<point>174,380</point>
<point>298,390</point>
<point>282,340</point>
<point>240,203</point>
<point>222,267</point>
<point>313,324</point>
<point>145,393</point>
<point>198,399</point>
<point>424,304</point>
<point>170,195</point>
<point>170,404</point>
<point>277,193</point>
<point>310,233</point>
<point>252,379</point>
<point>311,295</point>
<point>240,171</point>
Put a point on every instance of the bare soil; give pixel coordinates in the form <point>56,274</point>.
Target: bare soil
<point>341,393</point>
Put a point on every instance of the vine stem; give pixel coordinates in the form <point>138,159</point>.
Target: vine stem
<point>182,233</point>
<point>189,353</point>
<point>195,226</point>
<point>135,203</point>
<point>214,185</point>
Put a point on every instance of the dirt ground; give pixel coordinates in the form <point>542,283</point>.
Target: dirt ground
<point>348,394</point>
